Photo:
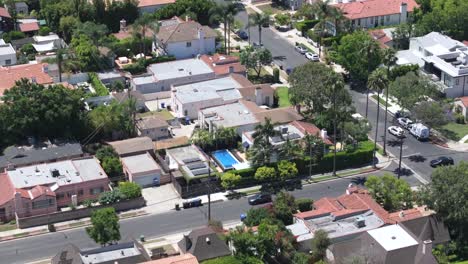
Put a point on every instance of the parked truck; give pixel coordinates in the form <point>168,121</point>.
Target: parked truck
<point>420,131</point>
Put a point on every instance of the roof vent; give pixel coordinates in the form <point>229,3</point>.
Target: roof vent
<point>208,240</point>
<point>401,214</point>
<point>393,237</point>
<point>122,252</point>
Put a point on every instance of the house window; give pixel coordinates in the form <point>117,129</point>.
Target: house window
<point>185,112</point>
<point>163,129</point>
<point>80,192</point>
<point>371,20</point>
<point>388,18</point>
<point>97,190</point>
<point>189,44</point>
<point>60,196</point>
<point>359,22</point>
<point>7,62</point>
<point>457,81</point>
<point>382,20</point>
<point>42,204</point>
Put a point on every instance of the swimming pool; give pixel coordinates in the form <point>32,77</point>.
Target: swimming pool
<point>225,159</point>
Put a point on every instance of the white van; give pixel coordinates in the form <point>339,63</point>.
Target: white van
<point>419,131</point>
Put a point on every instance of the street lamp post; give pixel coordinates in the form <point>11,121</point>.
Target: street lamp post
<point>401,156</point>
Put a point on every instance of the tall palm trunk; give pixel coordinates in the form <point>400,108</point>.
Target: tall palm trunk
<point>334,131</point>
<point>225,34</point>
<point>374,163</point>
<point>260,34</point>
<point>143,41</point>
<point>229,38</point>
<point>386,112</point>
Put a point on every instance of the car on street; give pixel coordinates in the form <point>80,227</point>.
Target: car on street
<point>405,122</point>
<point>311,56</point>
<point>301,49</point>
<point>242,34</point>
<point>442,161</point>
<point>260,198</point>
<point>401,113</point>
<point>396,131</point>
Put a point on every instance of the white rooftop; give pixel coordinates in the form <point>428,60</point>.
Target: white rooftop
<point>392,237</point>
<point>222,88</point>
<point>111,255</point>
<point>6,48</point>
<point>140,163</point>
<point>229,115</point>
<point>60,173</point>
<point>143,80</point>
<point>51,37</point>
<point>179,69</point>
<point>44,47</point>
<point>408,57</point>
<point>439,40</point>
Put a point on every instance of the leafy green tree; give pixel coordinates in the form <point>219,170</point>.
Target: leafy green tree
<point>314,148</point>
<point>325,13</point>
<point>104,227</point>
<point>274,240</point>
<point>110,197</point>
<point>92,31</point>
<point>67,25</point>
<point>304,204</point>
<point>265,174</point>
<point>114,120</point>
<point>320,243</point>
<point>142,25</point>
<point>287,170</point>
<point>284,206</point>
<point>53,11</point>
<point>259,20</point>
<point>401,70</point>
<point>229,180</point>
<point>255,59</point>
<point>28,49</point>
<point>260,153</point>
<point>256,215</point>
<point>447,195</point>
<point>431,113</point>
<point>290,150</point>
<point>224,13</point>
<point>358,130</point>
<point>300,258</point>
<point>118,10</point>
<point>412,89</point>
<point>402,34</point>
<point>44,31</point>
<point>392,193</point>
<point>86,53</point>
<point>130,190</point>
<point>244,241</point>
<point>112,166</point>
<point>283,19</point>
<point>198,10</point>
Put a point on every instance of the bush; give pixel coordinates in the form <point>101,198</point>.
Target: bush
<point>44,31</point>
<point>139,66</point>
<point>305,25</point>
<point>328,42</point>
<point>256,215</point>
<point>13,35</point>
<point>276,75</point>
<point>110,197</point>
<point>88,202</point>
<point>28,49</point>
<point>100,88</point>
<point>304,204</point>
<point>129,190</point>
<point>313,36</point>
<point>459,119</point>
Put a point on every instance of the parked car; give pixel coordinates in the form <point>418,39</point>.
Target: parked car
<point>400,113</point>
<point>396,131</point>
<point>442,161</point>
<point>260,198</point>
<point>420,131</point>
<point>301,49</point>
<point>404,122</point>
<point>242,34</point>
<point>311,56</point>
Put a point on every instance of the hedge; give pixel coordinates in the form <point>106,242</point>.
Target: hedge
<point>328,42</point>
<point>98,86</point>
<point>305,25</point>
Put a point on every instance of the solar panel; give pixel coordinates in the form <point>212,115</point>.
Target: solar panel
<point>191,160</point>
<point>277,139</point>
<point>195,166</point>
<point>200,171</point>
<point>294,136</point>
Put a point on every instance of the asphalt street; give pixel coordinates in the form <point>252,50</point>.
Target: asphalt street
<point>47,245</point>
<point>416,154</point>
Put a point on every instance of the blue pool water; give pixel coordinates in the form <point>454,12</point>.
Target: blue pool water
<point>225,159</point>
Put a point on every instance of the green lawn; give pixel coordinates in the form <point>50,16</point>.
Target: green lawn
<point>381,100</point>
<point>7,227</point>
<point>265,77</point>
<point>164,114</point>
<point>454,131</point>
<point>283,95</point>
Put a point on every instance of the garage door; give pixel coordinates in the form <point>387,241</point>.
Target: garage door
<point>147,181</point>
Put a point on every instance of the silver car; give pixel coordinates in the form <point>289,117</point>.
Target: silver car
<point>301,49</point>
<point>396,131</point>
<point>405,122</point>
<point>311,56</point>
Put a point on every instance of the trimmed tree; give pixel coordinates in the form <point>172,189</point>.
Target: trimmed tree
<point>392,193</point>
<point>287,170</point>
<point>130,190</point>
<point>320,243</point>
<point>265,174</point>
<point>104,227</point>
<point>230,180</point>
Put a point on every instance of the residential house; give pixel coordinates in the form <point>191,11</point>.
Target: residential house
<point>30,28</point>
<point>37,73</point>
<point>127,32</point>
<point>185,39</point>
<point>44,188</point>
<point>142,169</point>
<point>111,77</point>
<point>383,36</point>
<point>224,65</point>
<point>150,6</point>
<point>20,156</point>
<point>389,244</point>
<point>7,54</point>
<point>346,217</point>
<point>49,43</point>
<point>180,259</point>
<point>261,94</point>
<point>133,146</point>
<point>375,13</point>
<point>153,127</point>
<point>445,60</point>
<point>204,243</point>
<point>21,8</point>
<point>161,76</point>
<point>122,253</point>
<point>136,95</point>
<point>461,106</point>
<point>190,160</point>
<point>6,22</point>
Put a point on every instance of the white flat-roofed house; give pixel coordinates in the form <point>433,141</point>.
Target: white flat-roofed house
<point>185,39</point>
<point>142,169</point>
<point>7,54</point>
<point>445,60</point>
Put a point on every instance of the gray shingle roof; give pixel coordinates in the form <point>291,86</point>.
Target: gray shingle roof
<point>204,243</point>
<point>185,31</point>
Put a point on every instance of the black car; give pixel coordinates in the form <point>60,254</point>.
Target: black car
<point>260,199</point>
<point>442,161</point>
<point>242,34</point>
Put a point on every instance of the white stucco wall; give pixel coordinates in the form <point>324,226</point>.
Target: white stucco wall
<point>369,22</point>
<point>181,51</point>
<point>5,57</point>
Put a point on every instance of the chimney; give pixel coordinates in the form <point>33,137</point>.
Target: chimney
<point>45,68</point>
<point>258,95</point>
<point>403,12</point>
<point>123,25</point>
<point>349,189</point>
<point>401,214</point>
<point>428,244</point>
<point>33,80</point>
<point>323,134</point>
<point>208,240</point>
<point>187,18</point>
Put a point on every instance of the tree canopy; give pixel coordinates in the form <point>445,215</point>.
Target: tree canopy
<point>105,226</point>
<point>433,114</point>
<point>198,10</point>
<point>392,193</point>
<point>255,58</point>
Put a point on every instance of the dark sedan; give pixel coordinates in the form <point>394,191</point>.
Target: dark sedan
<point>441,161</point>
<point>243,35</point>
<point>260,199</point>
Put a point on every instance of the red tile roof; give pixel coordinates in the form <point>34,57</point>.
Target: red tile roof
<point>28,27</point>
<point>4,13</point>
<point>181,259</point>
<point>464,100</point>
<point>373,8</point>
<point>381,37</point>
<point>465,42</point>
<point>9,75</point>
<point>406,215</point>
<point>144,3</point>
<point>221,64</point>
<point>40,190</point>
<point>310,129</point>
<point>8,191</point>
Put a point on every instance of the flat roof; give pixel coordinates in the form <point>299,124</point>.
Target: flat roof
<point>60,173</point>
<point>108,254</point>
<point>186,153</point>
<point>6,48</point>
<point>392,237</point>
<point>140,163</point>
<point>179,69</point>
<point>222,88</point>
<point>229,115</point>
<point>143,80</point>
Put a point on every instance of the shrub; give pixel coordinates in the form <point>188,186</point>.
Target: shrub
<point>88,202</point>
<point>100,88</point>
<point>13,35</point>
<point>304,204</point>
<point>110,197</point>
<point>230,180</point>
<point>44,31</point>
<point>276,75</point>
<point>129,190</point>
<point>28,49</point>
<point>305,25</point>
<point>459,119</point>
<point>256,215</point>
<point>328,42</point>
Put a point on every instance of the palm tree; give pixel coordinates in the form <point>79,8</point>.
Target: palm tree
<point>144,23</point>
<point>289,150</point>
<point>259,20</point>
<point>369,50</point>
<point>378,81</point>
<point>389,60</point>
<point>264,131</point>
<point>224,13</point>
<point>325,13</point>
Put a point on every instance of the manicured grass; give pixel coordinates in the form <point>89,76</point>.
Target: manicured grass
<point>164,114</point>
<point>265,77</point>
<point>7,227</point>
<point>382,101</point>
<point>454,131</point>
<point>283,96</point>
<point>21,234</point>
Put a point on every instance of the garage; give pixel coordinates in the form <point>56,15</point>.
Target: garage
<point>142,169</point>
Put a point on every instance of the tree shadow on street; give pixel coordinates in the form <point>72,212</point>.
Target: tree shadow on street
<point>279,58</point>
<point>393,142</point>
<point>358,180</point>
<point>404,172</point>
<point>417,158</point>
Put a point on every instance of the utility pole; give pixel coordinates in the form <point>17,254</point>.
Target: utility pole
<point>374,162</point>
<point>209,190</point>
<point>334,130</point>
<point>401,156</point>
